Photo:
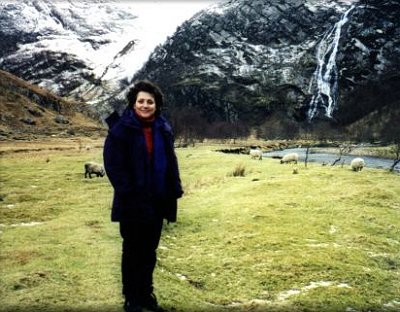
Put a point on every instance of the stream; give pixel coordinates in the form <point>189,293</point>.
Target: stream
<point>328,158</point>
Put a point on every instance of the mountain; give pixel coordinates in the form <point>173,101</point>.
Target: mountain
<point>276,68</point>
<point>28,111</point>
<point>78,50</point>
<point>86,50</point>
<point>284,66</point>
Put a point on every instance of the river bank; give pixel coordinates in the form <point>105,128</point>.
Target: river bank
<point>329,156</point>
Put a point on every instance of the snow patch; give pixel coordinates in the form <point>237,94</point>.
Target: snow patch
<point>22,224</point>
<point>287,294</point>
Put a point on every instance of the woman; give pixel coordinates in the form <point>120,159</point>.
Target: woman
<point>142,167</point>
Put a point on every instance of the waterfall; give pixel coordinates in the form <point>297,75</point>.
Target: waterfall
<point>324,83</point>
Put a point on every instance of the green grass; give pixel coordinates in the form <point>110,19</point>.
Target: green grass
<point>325,239</point>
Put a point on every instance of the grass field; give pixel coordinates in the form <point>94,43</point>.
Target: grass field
<point>325,239</point>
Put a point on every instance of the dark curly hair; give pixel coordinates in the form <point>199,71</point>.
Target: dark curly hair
<point>146,86</point>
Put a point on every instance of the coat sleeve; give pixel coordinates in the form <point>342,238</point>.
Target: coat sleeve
<point>116,164</point>
<point>176,176</point>
<point>173,174</point>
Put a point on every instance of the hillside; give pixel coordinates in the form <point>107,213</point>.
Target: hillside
<point>28,111</point>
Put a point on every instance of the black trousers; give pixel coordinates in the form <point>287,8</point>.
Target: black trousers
<point>139,257</point>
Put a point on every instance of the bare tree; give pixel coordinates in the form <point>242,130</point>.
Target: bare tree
<point>391,134</point>
<point>188,124</point>
<point>396,150</point>
<point>307,152</point>
<point>343,149</point>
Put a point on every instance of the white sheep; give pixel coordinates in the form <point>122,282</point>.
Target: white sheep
<point>94,168</point>
<point>291,157</point>
<point>357,164</point>
<point>255,153</point>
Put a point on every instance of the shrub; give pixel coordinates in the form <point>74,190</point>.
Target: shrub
<point>239,171</point>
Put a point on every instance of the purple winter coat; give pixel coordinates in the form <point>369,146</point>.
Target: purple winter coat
<point>143,189</point>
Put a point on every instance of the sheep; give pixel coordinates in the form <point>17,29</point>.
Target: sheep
<point>255,154</point>
<point>291,157</point>
<point>94,168</point>
<point>357,164</point>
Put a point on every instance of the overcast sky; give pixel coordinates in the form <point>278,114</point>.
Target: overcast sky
<point>161,18</point>
<point>158,20</point>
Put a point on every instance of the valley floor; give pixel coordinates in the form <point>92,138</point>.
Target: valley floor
<point>271,238</point>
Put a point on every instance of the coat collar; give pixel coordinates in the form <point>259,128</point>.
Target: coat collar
<point>130,120</point>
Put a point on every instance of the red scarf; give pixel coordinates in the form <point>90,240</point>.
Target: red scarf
<point>148,133</point>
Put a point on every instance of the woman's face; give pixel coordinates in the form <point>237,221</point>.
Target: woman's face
<point>145,105</point>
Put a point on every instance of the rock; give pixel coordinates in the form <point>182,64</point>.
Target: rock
<point>28,121</point>
<point>61,119</point>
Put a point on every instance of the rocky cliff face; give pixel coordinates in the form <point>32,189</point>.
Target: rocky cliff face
<point>304,60</point>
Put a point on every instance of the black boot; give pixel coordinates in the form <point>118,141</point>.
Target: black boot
<point>149,303</point>
<point>131,306</point>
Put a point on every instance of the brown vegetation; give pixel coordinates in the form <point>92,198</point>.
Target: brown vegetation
<point>28,111</point>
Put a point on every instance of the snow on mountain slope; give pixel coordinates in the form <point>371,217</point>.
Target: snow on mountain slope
<point>100,41</point>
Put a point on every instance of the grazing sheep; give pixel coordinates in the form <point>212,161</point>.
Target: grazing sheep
<point>255,154</point>
<point>291,157</point>
<point>357,164</point>
<point>94,168</point>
